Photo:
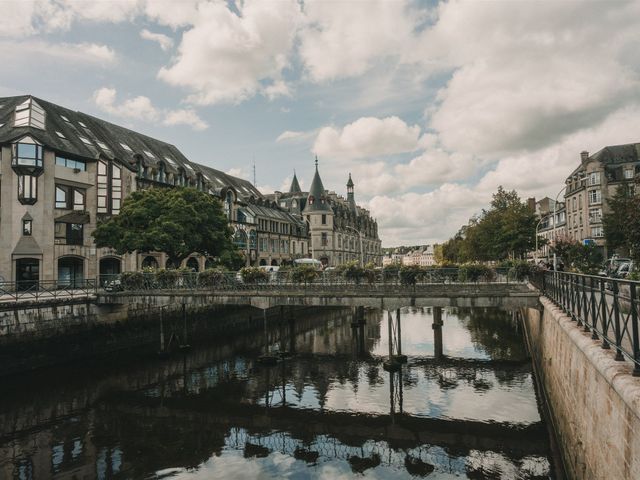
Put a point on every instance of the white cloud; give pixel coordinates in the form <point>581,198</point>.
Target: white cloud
<point>294,136</point>
<point>26,51</point>
<point>239,172</point>
<point>165,42</point>
<point>347,41</point>
<point>229,57</point>
<point>367,137</point>
<point>141,108</point>
<point>535,76</point>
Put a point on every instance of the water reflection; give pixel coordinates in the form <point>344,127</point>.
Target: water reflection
<point>327,410</point>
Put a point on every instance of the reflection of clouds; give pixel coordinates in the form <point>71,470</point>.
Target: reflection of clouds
<point>417,335</point>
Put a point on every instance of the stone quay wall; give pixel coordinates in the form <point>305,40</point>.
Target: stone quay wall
<point>593,400</point>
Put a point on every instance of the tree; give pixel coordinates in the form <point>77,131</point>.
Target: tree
<point>621,223</point>
<point>507,229</point>
<point>176,221</point>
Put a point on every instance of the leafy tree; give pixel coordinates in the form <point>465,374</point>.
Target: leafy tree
<point>507,229</point>
<point>176,221</point>
<point>622,222</point>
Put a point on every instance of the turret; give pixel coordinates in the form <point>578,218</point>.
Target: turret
<point>295,186</point>
<point>350,196</point>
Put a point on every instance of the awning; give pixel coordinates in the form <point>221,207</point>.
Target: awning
<point>74,217</point>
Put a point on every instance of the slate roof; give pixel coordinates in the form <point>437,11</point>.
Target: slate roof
<point>295,185</point>
<point>614,154</point>
<point>320,201</point>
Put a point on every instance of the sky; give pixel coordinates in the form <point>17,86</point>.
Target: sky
<point>429,105</point>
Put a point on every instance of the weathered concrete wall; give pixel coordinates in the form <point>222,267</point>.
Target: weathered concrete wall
<point>594,400</point>
<point>65,331</point>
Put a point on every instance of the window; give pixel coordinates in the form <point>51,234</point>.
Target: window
<point>126,147</point>
<point>60,134</point>
<point>628,173</point>
<point>240,239</point>
<point>109,188</point>
<point>171,161</point>
<point>311,200</point>
<point>85,140</point>
<point>595,215</point>
<point>594,178</point>
<point>324,241</point>
<point>253,240</point>
<point>27,155</point>
<point>324,219</point>
<point>594,197</point>
<point>29,114</point>
<point>75,233</point>
<point>82,125</point>
<point>26,227</point>
<point>70,197</point>
<point>103,146</point>
<point>69,163</point>
<point>575,200</point>
<point>597,232</point>
<point>65,118</point>
<point>27,189</point>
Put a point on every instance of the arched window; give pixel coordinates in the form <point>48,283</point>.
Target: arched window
<point>240,239</point>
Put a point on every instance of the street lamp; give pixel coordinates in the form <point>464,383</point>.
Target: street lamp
<point>535,254</point>
<point>555,205</point>
<point>361,249</point>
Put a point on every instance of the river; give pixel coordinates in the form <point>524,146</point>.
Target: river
<point>328,409</point>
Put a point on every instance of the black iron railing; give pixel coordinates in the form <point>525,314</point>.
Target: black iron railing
<point>606,307</point>
<point>46,290</point>
<point>286,281</point>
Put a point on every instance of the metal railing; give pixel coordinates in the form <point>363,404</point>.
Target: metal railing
<point>606,307</point>
<point>287,281</point>
<point>46,290</point>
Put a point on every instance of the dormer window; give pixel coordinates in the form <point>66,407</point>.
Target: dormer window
<point>311,200</point>
<point>27,157</point>
<point>29,114</point>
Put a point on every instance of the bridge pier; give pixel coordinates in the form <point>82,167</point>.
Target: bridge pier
<point>396,358</point>
<point>437,332</point>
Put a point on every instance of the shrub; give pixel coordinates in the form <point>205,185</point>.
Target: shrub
<point>211,277</point>
<point>303,273</point>
<point>474,272</point>
<point>411,274</point>
<point>521,270</point>
<point>352,271</point>
<point>166,278</point>
<point>132,280</point>
<point>391,273</point>
<point>254,275</point>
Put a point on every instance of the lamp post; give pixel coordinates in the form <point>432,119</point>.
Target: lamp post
<point>361,249</point>
<point>555,206</point>
<point>535,253</point>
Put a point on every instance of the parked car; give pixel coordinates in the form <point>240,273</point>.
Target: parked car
<point>624,270</point>
<point>611,266</point>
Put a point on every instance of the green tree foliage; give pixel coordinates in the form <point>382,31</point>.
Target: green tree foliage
<point>575,255</point>
<point>622,222</point>
<point>506,230</point>
<point>176,221</point>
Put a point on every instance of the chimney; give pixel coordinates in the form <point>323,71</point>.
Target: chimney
<point>531,203</point>
<point>584,156</point>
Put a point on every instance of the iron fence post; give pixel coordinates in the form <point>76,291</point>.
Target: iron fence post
<point>616,319</point>
<point>634,329</point>
<point>585,306</point>
<point>603,314</point>
<point>594,313</point>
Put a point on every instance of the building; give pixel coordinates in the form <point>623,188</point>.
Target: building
<point>61,171</point>
<point>545,209</point>
<point>340,230</point>
<point>591,184</point>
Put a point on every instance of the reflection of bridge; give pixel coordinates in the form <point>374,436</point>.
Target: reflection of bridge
<point>400,431</point>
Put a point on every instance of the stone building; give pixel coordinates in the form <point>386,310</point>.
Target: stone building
<point>591,184</point>
<point>62,171</point>
<point>340,230</point>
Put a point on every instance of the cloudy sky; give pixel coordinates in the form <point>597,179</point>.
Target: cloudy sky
<point>431,105</point>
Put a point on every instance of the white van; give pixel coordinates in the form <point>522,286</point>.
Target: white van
<point>272,270</point>
<point>317,264</point>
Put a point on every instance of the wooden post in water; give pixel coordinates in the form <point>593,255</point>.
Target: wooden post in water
<point>437,332</point>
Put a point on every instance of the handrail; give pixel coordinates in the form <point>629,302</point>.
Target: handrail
<point>606,307</point>
<point>46,290</point>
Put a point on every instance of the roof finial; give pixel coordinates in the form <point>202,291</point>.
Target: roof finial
<point>316,162</point>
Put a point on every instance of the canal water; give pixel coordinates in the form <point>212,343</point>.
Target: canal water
<point>328,410</point>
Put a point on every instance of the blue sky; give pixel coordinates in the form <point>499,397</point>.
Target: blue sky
<point>431,105</point>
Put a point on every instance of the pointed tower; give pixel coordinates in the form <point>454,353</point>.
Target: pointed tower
<point>350,196</point>
<point>319,216</point>
<point>295,186</point>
